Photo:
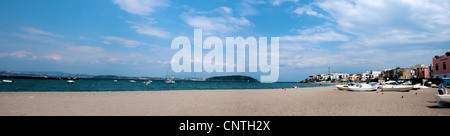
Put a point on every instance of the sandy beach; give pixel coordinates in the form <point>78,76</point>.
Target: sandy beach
<point>318,101</point>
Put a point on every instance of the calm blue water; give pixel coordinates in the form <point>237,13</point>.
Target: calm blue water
<point>82,85</point>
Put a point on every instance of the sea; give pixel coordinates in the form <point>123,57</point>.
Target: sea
<point>98,85</point>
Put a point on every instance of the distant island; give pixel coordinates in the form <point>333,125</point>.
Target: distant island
<point>68,76</point>
<point>233,78</point>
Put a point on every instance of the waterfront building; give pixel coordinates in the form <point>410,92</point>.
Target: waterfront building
<point>440,66</point>
<point>375,74</point>
<point>421,71</point>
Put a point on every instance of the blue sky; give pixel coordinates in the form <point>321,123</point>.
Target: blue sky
<point>133,37</point>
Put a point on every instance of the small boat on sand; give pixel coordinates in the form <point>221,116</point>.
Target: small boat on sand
<point>418,86</point>
<point>394,86</point>
<point>362,87</point>
<point>443,100</point>
<point>342,87</point>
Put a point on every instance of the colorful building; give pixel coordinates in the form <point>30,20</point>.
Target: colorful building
<point>421,71</point>
<point>440,69</point>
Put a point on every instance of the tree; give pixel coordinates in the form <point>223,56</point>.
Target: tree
<point>400,73</point>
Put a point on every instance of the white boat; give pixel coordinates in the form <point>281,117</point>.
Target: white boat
<point>132,81</point>
<point>418,86</point>
<point>394,86</point>
<point>148,82</point>
<point>434,86</point>
<point>70,81</point>
<point>443,100</point>
<point>169,81</point>
<point>362,87</point>
<point>115,80</point>
<point>8,81</point>
<point>342,87</point>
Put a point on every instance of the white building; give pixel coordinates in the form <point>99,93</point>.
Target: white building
<point>364,76</point>
<point>375,74</point>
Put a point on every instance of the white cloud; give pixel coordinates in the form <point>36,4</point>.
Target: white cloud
<point>381,22</point>
<point>54,57</point>
<point>221,24</point>
<point>226,10</point>
<point>248,10</point>
<point>324,33</point>
<point>141,7</point>
<point>316,37</point>
<point>126,42</point>
<point>35,31</point>
<point>17,54</point>
<point>308,11</point>
<point>279,2</point>
<point>151,31</point>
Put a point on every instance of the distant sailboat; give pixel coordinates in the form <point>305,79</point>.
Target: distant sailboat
<point>169,80</point>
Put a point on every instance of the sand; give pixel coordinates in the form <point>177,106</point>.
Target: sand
<point>318,101</point>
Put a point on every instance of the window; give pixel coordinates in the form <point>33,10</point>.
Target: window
<point>444,66</point>
<point>437,67</point>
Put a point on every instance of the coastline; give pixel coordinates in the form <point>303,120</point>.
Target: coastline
<point>311,101</point>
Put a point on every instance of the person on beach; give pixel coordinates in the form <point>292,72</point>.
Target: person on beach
<point>442,89</point>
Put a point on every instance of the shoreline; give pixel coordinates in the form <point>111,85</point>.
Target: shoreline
<point>311,101</point>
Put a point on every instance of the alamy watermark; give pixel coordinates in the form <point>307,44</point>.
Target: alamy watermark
<point>213,61</point>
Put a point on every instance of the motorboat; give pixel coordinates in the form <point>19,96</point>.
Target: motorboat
<point>115,80</point>
<point>342,87</point>
<point>418,86</point>
<point>148,82</point>
<point>434,86</point>
<point>132,81</point>
<point>394,86</point>
<point>443,100</point>
<point>70,81</point>
<point>362,87</point>
<point>8,81</point>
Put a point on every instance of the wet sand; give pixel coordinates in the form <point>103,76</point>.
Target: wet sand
<point>318,101</point>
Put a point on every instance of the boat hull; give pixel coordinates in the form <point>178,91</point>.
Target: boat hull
<point>342,87</point>
<point>358,89</point>
<point>397,88</point>
<point>443,100</point>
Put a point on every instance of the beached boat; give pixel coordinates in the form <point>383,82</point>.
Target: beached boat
<point>397,88</point>
<point>443,100</point>
<point>418,86</point>
<point>362,87</point>
<point>394,86</point>
<point>70,81</point>
<point>342,87</point>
